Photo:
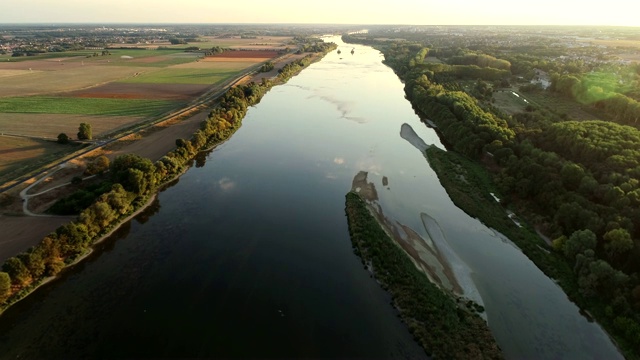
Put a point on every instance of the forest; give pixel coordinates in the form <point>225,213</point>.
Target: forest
<point>575,181</point>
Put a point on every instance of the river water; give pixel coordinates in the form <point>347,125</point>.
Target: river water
<point>248,254</point>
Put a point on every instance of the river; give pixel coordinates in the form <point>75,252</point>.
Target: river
<point>248,254</point>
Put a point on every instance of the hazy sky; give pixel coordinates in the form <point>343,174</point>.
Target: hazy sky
<point>455,12</point>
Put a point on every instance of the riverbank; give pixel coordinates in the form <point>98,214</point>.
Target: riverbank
<point>470,188</point>
<point>444,327</point>
<point>67,246</point>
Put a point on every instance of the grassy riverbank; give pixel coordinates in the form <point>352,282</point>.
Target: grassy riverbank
<point>444,326</point>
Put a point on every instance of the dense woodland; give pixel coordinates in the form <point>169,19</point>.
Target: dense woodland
<point>578,182</point>
<point>128,183</point>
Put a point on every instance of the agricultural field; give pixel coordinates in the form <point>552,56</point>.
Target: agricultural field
<point>509,102</point>
<point>560,105</point>
<point>50,125</point>
<point>178,75</point>
<point>41,82</point>
<point>18,154</point>
<point>142,91</point>
<point>85,106</point>
<point>235,42</point>
<point>45,95</point>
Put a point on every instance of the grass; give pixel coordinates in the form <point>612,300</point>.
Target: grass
<point>200,76</point>
<point>508,102</point>
<point>86,106</point>
<point>560,105</point>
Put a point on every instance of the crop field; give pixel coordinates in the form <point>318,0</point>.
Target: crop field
<point>221,64</point>
<point>246,54</point>
<point>142,91</point>
<point>561,105</point>
<point>176,75</point>
<point>15,150</point>
<point>164,60</point>
<point>262,42</point>
<point>7,73</point>
<point>69,79</point>
<point>508,102</point>
<point>85,106</point>
<point>45,95</point>
<point>50,125</point>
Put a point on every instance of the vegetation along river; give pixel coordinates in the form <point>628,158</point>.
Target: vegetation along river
<point>248,254</point>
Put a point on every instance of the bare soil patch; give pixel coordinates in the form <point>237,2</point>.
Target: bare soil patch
<point>264,42</point>
<point>65,78</point>
<point>162,139</point>
<point>279,64</point>
<point>50,125</point>
<point>12,72</point>
<point>21,232</point>
<point>220,64</point>
<point>246,54</point>
<point>233,60</point>
<point>18,152</point>
<point>42,64</point>
<point>150,59</point>
<point>143,91</point>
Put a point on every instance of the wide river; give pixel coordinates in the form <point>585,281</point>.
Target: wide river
<point>248,254</point>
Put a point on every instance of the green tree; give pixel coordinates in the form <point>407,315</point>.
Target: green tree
<point>5,286</point>
<point>98,165</point>
<point>578,242</point>
<point>17,271</point>
<point>84,132</point>
<point>618,243</point>
<point>63,138</point>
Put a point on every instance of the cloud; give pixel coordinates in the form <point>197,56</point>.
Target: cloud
<point>226,184</point>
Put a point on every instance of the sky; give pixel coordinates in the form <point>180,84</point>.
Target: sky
<point>414,12</point>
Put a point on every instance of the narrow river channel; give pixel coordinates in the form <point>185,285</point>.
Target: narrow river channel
<point>248,254</point>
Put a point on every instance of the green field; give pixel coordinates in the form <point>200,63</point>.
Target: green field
<point>86,106</point>
<point>508,102</point>
<point>561,105</point>
<point>199,76</point>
